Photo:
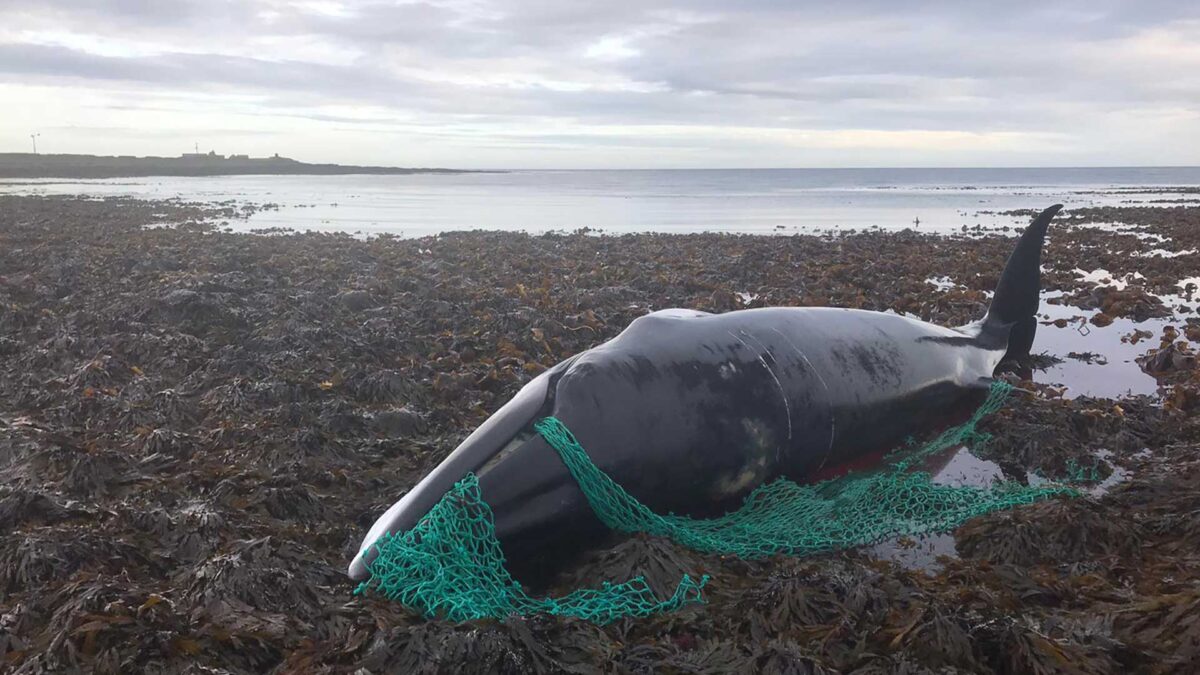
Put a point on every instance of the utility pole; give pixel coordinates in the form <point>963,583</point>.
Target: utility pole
<point>33,137</point>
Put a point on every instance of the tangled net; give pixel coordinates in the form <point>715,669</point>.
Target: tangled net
<point>451,565</point>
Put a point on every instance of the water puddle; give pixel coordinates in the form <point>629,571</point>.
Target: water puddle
<point>1101,361</point>
<point>965,469</point>
<point>1163,253</point>
<point>943,283</point>
<point>922,552</point>
<point>1119,475</point>
<point>746,297</point>
<point>1095,361</point>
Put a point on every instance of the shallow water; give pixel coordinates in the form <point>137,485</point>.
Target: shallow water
<point>965,469</point>
<point>1116,373</point>
<point>761,201</point>
<point>922,552</point>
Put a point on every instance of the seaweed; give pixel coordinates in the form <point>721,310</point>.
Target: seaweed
<point>197,428</point>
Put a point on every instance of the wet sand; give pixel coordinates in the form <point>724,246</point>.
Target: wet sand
<point>197,427</point>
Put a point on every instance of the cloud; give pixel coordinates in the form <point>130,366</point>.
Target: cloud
<point>1099,82</point>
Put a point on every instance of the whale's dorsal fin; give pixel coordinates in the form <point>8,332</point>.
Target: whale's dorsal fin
<point>1011,320</point>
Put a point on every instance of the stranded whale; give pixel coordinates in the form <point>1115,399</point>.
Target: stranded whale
<point>690,411</point>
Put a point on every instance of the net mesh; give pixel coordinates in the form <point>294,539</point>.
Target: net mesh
<point>451,565</point>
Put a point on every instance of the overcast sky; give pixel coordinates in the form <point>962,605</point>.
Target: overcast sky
<point>609,83</point>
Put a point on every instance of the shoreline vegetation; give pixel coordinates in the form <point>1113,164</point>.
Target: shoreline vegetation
<point>29,165</point>
<point>197,427</point>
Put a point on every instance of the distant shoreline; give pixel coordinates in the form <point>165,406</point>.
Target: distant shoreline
<point>29,165</point>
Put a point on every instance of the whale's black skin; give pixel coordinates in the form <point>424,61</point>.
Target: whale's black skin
<point>690,411</point>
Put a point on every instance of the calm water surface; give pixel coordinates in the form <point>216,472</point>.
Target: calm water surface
<point>751,201</point>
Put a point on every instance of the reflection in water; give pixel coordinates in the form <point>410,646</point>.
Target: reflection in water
<point>1116,372</point>
<point>959,468</point>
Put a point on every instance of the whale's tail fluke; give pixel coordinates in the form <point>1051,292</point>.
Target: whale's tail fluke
<point>1015,303</point>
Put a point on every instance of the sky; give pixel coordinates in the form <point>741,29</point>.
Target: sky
<point>578,84</point>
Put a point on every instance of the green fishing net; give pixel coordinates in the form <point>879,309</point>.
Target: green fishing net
<point>450,565</point>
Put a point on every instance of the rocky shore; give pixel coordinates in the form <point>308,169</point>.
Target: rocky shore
<point>197,427</point>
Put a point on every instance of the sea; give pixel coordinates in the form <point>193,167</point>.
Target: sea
<point>758,201</point>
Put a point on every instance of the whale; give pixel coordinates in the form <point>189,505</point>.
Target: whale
<point>690,411</point>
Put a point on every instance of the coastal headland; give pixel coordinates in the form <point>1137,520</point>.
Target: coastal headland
<point>30,165</point>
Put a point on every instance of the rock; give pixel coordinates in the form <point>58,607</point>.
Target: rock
<point>181,298</point>
<point>356,300</point>
<point>1172,358</point>
<point>398,422</point>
